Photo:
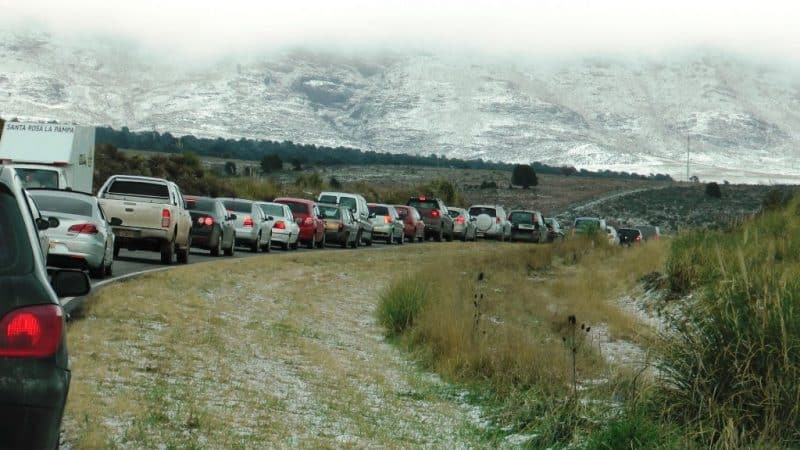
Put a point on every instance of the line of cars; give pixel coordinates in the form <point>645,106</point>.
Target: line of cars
<point>626,236</point>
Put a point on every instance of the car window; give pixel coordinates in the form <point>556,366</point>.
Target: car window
<point>328,199</point>
<point>301,208</point>
<point>521,217</point>
<point>585,224</point>
<point>16,251</point>
<point>139,188</point>
<point>201,204</point>
<point>330,212</point>
<point>38,178</point>
<point>453,213</point>
<point>379,210</point>
<point>425,204</point>
<point>348,202</point>
<point>238,206</point>
<point>272,210</point>
<point>64,205</point>
<point>478,210</point>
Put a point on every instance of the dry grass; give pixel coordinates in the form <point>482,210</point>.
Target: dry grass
<point>264,352</point>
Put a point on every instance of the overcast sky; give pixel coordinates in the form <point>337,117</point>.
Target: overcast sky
<point>210,28</point>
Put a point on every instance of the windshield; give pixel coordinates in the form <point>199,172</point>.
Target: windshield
<point>330,212</point>
<point>348,202</point>
<point>454,213</point>
<point>201,204</point>
<point>238,206</point>
<point>478,210</point>
<point>520,217</point>
<point>38,178</point>
<point>138,188</point>
<point>297,208</point>
<point>379,210</point>
<point>272,210</point>
<point>328,199</point>
<point>587,224</point>
<point>62,204</point>
<point>423,204</point>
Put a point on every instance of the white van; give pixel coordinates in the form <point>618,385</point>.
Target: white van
<point>358,204</point>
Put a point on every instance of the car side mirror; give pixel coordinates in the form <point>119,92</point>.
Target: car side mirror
<point>115,222</point>
<point>42,224</point>
<point>232,217</point>
<point>53,222</point>
<point>70,283</point>
<point>270,218</point>
<point>371,215</point>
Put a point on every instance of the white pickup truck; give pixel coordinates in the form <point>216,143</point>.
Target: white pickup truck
<point>147,214</point>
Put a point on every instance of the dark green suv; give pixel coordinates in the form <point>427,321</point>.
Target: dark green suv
<point>34,365</point>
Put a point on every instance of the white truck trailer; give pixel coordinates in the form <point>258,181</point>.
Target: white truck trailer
<point>50,155</point>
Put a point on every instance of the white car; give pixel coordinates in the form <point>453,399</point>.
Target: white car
<point>83,239</point>
<point>491,221</point>
<point>285,230</point>
<point>613,237</point>
<point>253,226</point>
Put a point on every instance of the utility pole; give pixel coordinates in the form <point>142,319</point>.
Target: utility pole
<point>687,157</point>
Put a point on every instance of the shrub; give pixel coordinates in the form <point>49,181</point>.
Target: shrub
<point>633,429</point>
<point>400,306</point>
<point>713,191</point>
<point>334,183</point>
<point>524,175</point>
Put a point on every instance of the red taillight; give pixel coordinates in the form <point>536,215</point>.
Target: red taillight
<point>165,218</point>
<point>497,220</point>
<point>308,221</point>
<point>208,221</point>
<point>460,219</point>
<point>341,226</point>
<point>31,332</point>
<point>280,225</point>
<point>423,198</point>
<point>638,237</point>
<point>85,228</point>
<point>435,213</point>
<point>248,222</point>
<point>387,219</point>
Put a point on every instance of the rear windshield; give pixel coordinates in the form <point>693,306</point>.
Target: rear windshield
<point>424,204</point>
<point>453,213</point>
<point>238,206</point>
<point>477,211</point>
<point>628,232</point>
<point>38,178</point>
<point>330,212</point>
<point>328,199</point>
<point>16,256</point>
<point>202,204</point>
<point>379,210</point>
<point>348,202</point>
<point>63,205</point>
<point>272,210</point>
<point>138,188</point>
<point>297,208</point>
<point>520,217</point>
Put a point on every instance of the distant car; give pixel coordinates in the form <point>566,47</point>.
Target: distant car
<point>285,230</point>
<point>438,224</point>
<point>464,227</point>
<point>386,223</point>
<point>649,232</point>
<point>414,227</point>
<point>213,228</point>
<point>527,226</point>
<point>554,232</point>
<point>588,225</point>
<point>312,227</point>
<point>358,204</point>
<point>341,227</point>
<point>253,227</point>
<point>34,362</point>
<point>629,236</point>
<point>613,237</point>
<point>84,239</point>
<point>492,221</point>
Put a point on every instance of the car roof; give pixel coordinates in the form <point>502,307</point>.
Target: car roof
<point>294,200</point>
<point>60,192</point>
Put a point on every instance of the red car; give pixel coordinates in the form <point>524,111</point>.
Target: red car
<point>312,227</point>
<point>414,229</point>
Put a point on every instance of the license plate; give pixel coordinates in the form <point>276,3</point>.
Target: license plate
<point>125,233</point>
<point>57,247</point>
<point>526,227</point>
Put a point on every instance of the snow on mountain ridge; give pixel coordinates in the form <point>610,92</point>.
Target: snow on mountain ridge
<point>631,114</point>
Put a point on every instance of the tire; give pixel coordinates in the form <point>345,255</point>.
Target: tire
<point>438,237</point>
<point>401,239</point>
<point>232,249</point>
<point>167,252</point>
<point>358,240</point>
<point>310,244</point>
<point>100,272</point>
<point>449,236</point>
<point>344,241</point>
<point>110,269</point>
<point>464,237</point>
<point>183,254</point>
<point>256,246</point>
<point>217,249</point>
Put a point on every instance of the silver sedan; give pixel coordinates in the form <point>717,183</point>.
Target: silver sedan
<point>83,239</point>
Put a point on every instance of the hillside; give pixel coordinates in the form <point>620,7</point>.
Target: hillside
<point>627,113</point>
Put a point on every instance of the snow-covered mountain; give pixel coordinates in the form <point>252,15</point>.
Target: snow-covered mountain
<point>625,113</point>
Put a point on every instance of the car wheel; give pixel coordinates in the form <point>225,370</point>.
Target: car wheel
<point>232,249</point>
<point>217,249</point>
<point>358,239</point>
<point>110,269</point>
<point>439,236</point>
<point>255,246</point>
<point>183,253</point>
<point>401,239</point>
<point>116,250</point>
<point>167,252</point>
<point>346,241</point>
<point>99,272</point>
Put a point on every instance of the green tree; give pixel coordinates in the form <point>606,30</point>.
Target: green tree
<point>271,163</point>
<point>524,175</point>
<point>712,190</point>
<point>334,183</point>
